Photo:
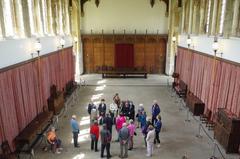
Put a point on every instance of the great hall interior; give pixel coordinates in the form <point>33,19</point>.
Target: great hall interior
<point>62,60</point>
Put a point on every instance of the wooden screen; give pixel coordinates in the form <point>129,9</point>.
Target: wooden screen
<point>149,51</point>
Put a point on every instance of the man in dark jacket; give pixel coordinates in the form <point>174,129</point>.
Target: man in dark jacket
<point>158,126</point>
<point>155,111</point>
<point>126,109</point>
<point>105,141</point>
<point>91,106</point>
<point>132,110</point>
<point>102,108</point>
<point>108,121</point>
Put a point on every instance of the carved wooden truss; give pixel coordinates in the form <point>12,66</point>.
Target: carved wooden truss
<point>97,2</point>
<point>121,38</point>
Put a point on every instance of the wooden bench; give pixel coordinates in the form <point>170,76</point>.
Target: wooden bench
<point>227,130</point>
<point>181,89</point>
<point>70,87</point>
<point>6,152</point>
<point>124,74</point>
<point>195,105</point>
<point>34,130</point>
<point>56,103</point>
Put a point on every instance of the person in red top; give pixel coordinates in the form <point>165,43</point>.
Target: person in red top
<point>94,131</point>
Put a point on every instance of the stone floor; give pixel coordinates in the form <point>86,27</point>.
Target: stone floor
<point>178,137</point>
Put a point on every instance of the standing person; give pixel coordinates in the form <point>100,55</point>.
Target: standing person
<point>94,132</point>
<point>91,106</point>
<point>126,109</point>
<point>119,122</point>
<point>150,140</point>
<point>155,111</point>
<point>131,127</point>
<point>158,126</point>
<point>93,115</point>
<point>132,110</point>
<point>140,110</point>
<point>105,141</point>
<point>75,130</point>
<point>123,139</point>
<point>113,111</point>
<point>108,121</point>
<point>117,101</point>
<point>145,131</point>
<point>102,109</point>
<point>143,119</point>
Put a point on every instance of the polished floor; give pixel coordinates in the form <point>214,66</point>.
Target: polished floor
<point>178,136</point>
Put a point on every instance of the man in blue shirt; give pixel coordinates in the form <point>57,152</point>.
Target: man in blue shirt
<point>75,130</point>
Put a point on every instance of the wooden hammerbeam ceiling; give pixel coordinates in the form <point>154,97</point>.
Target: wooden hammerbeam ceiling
<point>97,2</point>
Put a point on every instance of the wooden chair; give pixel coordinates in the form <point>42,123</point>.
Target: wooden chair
<point>7,153</point>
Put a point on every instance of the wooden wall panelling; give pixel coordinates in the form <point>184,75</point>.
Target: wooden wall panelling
<point>139,54</point>
<point>88,56</point>
<point>109,54</point>
<point>162,50</point>
<point>149,51</point>
<point>149,56</point>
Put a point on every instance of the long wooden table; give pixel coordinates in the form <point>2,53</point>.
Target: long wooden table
<point>124,74</point>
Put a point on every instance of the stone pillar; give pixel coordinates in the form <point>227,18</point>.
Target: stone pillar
<point>173,19</point>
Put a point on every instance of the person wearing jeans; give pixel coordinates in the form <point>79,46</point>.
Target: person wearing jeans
<point>75,130</point>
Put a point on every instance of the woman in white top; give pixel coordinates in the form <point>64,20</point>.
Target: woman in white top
<point>150,140</point>
<point>112,110</point>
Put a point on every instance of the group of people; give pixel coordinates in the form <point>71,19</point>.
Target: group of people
<point>122,115</point>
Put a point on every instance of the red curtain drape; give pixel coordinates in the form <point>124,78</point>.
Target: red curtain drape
<point>24,90</point>
<point>215,82</point>
<point>124,56</point>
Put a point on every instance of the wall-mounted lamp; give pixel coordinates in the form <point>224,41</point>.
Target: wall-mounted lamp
<point>62,42</point>
<point>75,39</point>
<point>37,48</point>
<point>215,46</point>
<point>189,41</point>
<point>174,39</point>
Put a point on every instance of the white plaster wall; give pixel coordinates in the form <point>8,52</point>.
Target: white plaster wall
<point>229,47</point>
<point>125,14</point>
<point>18,50</point>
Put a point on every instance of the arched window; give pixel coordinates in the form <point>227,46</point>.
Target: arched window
<point>208,16</point>
<point>44,16</point>
<point>31,17</point>
<point>8,18</point>
<point>18,16</point>
<point>222,16</point>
